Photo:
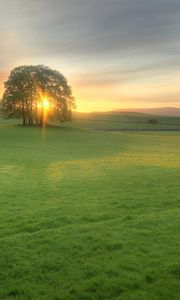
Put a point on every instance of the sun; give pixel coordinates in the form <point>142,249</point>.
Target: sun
<point>45,103</point>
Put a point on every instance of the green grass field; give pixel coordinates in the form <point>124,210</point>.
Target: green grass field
<point>126,120</point>
<point>87,215</point>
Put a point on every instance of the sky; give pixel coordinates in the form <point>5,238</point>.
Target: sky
<point>115,54</point>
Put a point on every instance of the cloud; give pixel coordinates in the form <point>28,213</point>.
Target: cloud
<point>91,27</point>
<point>103,42</point>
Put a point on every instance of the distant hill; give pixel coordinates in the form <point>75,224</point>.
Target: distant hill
<point>126,120</point>
<point>163,111</point>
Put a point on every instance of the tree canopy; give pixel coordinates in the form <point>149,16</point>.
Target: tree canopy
<point>37,93</point>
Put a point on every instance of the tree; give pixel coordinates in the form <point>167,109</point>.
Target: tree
<point>37,93</point>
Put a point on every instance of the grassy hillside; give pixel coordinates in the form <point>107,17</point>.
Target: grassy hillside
<point>122,120</point>
<point>89,215</point>
<point>163,111</point>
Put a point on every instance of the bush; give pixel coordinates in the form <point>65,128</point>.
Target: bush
<point>152,121</point>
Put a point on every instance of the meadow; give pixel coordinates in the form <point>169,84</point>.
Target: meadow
<point>125,121</point>
<point>89,215</point>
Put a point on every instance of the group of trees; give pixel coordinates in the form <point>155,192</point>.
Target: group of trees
<point>35,92</point>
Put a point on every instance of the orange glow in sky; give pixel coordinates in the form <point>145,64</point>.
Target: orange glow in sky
<point>106,96</point>
<point>115,54</point>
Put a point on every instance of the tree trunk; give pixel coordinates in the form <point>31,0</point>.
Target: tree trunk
<point>31,113</point>
<point>36,115</point>
<point>23,114</point>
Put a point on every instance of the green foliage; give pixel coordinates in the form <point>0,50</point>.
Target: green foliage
<point>89,215</point>
<point>26,88</point>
